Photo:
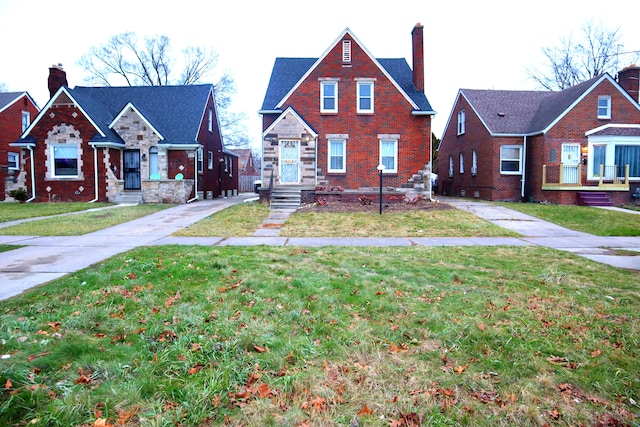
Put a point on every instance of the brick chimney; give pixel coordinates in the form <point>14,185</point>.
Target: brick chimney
<point>57,78</point>
<point>629,79</point>
<point>418,56</point>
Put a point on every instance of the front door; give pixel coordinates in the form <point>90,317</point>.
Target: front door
<point>132,169</point>
<point>570,161</point>
<point>289,162</point>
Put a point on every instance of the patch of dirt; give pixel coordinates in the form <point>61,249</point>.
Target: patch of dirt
<point>422,205</point>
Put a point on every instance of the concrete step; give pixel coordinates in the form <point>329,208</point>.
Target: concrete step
<point>597,198</point>
<point>129,198</point>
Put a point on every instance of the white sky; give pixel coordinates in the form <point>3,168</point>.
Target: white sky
<point>471,44</point>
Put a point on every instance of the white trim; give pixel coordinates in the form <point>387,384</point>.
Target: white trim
<point>343,142</point>
<point>606,116</point>
<point>324,83</point>
<point>395,142</point>
<point>17,160</point>
<point>52,149</point>
<point>359,84</point>
<point>291,111</point>
<point>519,171</point>
<point>16,99</point>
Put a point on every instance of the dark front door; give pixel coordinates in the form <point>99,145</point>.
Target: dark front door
<point>132,169</point>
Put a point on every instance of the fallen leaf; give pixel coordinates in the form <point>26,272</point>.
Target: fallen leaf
<point>365,411</point>
<point>595,353</point>
<point>8,385</point>
<point>460,369</point>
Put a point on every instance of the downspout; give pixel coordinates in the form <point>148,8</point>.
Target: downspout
<point>33,177</point>
<point>431,169</point>
<point>315,174</point>
<point>524,167</point>
<point>95,168</point>
<point>195,177</point>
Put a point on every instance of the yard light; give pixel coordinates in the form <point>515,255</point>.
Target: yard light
<point>380,169</point>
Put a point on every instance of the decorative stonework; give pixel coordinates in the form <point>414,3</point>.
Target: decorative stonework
<point>63,134</point>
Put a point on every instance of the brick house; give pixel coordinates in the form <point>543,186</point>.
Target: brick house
<point>248,170</point>
<point>148,144</point>
<point>17,109</point>
<point>579,145</point>
<point>330,121</point>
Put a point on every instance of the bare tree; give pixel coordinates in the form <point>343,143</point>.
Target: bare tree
<point>597,51</point>
<point>124,59</point>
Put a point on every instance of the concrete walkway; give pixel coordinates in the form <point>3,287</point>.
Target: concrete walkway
<point>47,258</point>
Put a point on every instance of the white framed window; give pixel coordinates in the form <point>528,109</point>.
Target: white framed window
<point>210,121</point>
<point>461,171</point>
<point>461,122</point>
<point>511,160</point>
<point>154,171</point>
<point>26,120</point>
<point>346,51</point>
<point>614,153</point>
<point>389,155</point>
<point>65,160</point>
<point>210,160</point>
<point>604,107</point>
<point>365,97</point>
<point>329,96</point>
<point>474,163</point>
<point>450,166</point>
<point>337,156</point>
<point>200,165</point>
<point>13,160</point>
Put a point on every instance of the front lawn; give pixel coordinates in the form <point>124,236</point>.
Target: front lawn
<point>600,222</point>
<point>285,336</point>
<point>15,211</point>
<point>82,223</point>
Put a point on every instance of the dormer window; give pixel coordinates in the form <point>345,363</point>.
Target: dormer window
<point>604,107</point>
<point>346,51</point>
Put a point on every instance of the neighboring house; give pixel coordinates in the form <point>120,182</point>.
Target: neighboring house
<point>580,145</point>
<point>248,172</point>
<point>150,144</point>
<point>330,121</point>
<point>17,109</point>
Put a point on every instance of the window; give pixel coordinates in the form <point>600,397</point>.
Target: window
<point>604,107</point>
<point>65,160</point>
<point>210,125</point>
<point>12,161</point>
<point>461,122</point>
<point>329,97</point>
<point>365,97</point>
<point>450,166</point>
<point>474,163</point>
<point>153,163</point>
<point>346,51</point>
<point>389,155</point>
<point>337,150</point>
<point>210,159</point>
<point>200,166</point>
<point>511,159</point>
<point>461,163</point>
<point>627,155</point>
<point>26,120</point>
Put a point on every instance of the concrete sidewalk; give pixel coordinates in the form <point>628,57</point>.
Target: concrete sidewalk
<point>47,258</point>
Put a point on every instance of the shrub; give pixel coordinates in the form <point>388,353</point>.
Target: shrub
<point>19,194</point>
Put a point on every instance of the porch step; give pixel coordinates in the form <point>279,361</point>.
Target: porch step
<point>285,198</point>
<point>593,198</point>
<point>129,198</point>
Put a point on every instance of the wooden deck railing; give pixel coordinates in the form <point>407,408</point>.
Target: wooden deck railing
<point>569,177</point>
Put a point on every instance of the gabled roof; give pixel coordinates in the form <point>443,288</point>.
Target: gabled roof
<point>174,112</point>
<point>9,98</point>
<point>509,112</point>
<point>288,73</point>
<point>290,111</point>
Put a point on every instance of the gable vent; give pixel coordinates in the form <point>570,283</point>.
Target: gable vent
<point>346,51</point>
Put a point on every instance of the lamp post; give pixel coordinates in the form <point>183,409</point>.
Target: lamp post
<point>380,169</point>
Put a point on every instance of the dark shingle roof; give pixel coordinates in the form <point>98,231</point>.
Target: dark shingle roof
<point>7,98</point>
<point>174,111</point>
<point>287,72</point>
<point>522,112</point>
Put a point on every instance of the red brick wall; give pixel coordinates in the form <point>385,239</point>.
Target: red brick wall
<point>10,131</point>
<point>66,189</point>
<point>392,116</point>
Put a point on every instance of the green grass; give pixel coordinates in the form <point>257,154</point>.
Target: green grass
<point>15,211</point>
<point>5,248</point>
<point>238,220</point>
<point>599,222</point>
<point>286,336</point>
<point>82,223</point>
<point>418,223</point>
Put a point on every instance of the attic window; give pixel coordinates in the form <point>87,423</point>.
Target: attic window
<point>346,51</point>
